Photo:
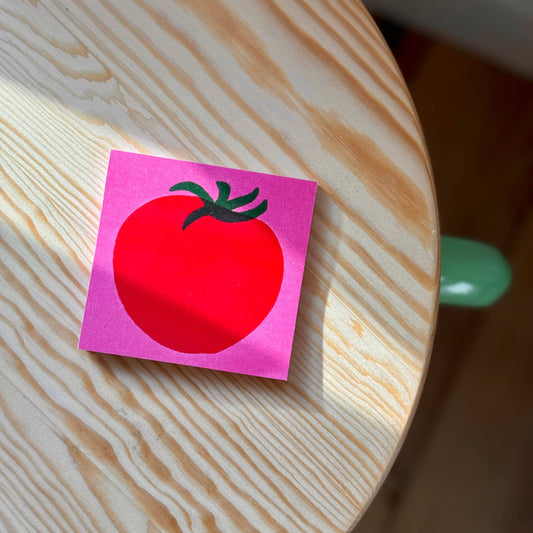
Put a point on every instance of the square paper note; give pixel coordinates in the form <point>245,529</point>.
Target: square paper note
<point>198,265</point>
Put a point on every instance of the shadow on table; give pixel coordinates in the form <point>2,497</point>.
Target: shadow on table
<point>304,388</point>
<point>106,105</point>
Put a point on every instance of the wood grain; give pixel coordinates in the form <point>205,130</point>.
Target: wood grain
<point>466,464</point>
<point>305,89</point>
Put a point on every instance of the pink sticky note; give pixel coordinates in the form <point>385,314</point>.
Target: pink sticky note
<point>198,265</point>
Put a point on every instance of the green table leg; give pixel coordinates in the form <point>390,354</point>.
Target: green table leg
<point>473,274</point>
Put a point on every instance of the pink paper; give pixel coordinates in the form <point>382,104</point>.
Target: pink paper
<point>138,305</point>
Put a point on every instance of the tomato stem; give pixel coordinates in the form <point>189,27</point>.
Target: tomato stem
<point>194,188</point>
<point>222,208</point>
<point>243,200</point>
<point>223,192</point>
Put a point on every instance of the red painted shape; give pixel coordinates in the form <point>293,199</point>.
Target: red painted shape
<point>198,290</point>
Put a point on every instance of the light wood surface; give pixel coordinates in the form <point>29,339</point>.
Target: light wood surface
<point>466,464</point>
<point>306,89</point>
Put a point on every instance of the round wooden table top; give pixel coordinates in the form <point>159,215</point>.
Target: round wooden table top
<point>303,89</point>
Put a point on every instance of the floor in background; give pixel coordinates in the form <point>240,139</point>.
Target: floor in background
<point>467,462</point>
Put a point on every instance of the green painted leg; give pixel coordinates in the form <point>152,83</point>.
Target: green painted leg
<point>473,274</point>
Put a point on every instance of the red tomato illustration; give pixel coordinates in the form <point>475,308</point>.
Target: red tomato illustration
<point>194,274</point>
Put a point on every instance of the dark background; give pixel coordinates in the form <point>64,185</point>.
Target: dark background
<point>467,462</point>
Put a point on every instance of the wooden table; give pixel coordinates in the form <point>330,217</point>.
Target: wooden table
<point>90,442</point>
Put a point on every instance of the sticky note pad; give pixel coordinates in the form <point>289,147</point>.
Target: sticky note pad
<point>198,265</point>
